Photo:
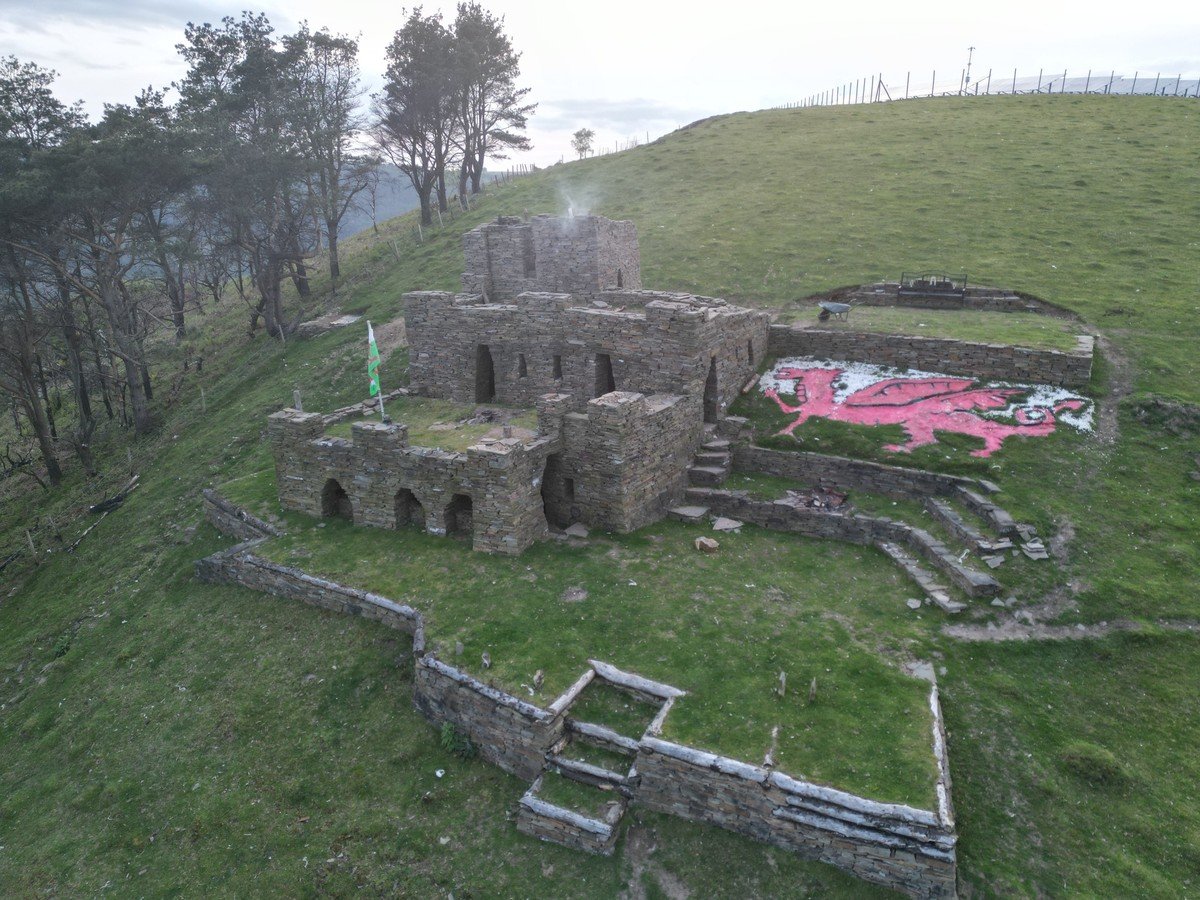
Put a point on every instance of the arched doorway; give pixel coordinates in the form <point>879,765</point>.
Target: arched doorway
<point>409,510</point>
<point>459,516</point>
<point>335,502</point>
<point>605,382</point>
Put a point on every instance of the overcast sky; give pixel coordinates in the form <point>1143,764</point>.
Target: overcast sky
<point>626,68</point>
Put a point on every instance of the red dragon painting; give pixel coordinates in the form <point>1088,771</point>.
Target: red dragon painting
<point>920,405</point>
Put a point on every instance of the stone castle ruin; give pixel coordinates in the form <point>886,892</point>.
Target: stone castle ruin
<point>630,389</point>
<point>552,317</point>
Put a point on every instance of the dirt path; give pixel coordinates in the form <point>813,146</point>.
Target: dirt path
<point>1120,384</point>
<point>1027,628</point>
<point>640,844</point>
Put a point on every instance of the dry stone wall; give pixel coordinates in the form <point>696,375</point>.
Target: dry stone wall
<point>1000,362</point>
<point>854,528</point>
<point>911,850</point>
<point>490,492</point>
<point>508,732</point>
<point>842,473</point>
<point>988,299</point>
<point>542,343</point>
<point>625,460</point>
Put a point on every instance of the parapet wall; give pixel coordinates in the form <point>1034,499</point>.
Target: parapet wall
<point>582,345</point>
<point>987,299</point>
<point>490,492</point>
<point>999,362</point>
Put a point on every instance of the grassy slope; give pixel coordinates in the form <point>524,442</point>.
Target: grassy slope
<point>162,736</point>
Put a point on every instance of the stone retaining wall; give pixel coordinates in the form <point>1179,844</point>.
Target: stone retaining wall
<point>842,473</point>
<point>854,528</point>
<point>508,732</point>
<point>908,849</point>
<point>1000,362</point>
<point>240,566</point>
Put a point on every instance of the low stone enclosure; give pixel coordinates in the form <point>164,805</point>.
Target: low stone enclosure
<point>980,297</point>
<point>911,850</point>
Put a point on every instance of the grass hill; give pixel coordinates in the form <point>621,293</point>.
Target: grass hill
<point>162,736</point>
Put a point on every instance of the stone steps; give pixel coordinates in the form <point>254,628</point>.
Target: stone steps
<point>693,515</point>
<point>963,530</point>
<point>934,590</point>
<point>706,476</point>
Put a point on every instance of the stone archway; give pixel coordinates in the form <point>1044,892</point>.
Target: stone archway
<point>409,510</point>
<point>459,514</point>
<point>335,502</point>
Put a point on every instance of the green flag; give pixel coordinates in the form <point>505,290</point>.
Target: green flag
<point>372,361</point>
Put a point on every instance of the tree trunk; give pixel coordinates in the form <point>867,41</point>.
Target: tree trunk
<point>36,413</point>
<point>426,206</point>
<point>463,175</point>
<point>331,234</point>
<point>443,203</point>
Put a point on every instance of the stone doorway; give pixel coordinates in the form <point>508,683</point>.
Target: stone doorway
<point>409,510</point>
<point>459,516</point>
<point>605,382</point>
<point>335,502</point>
<point>485,375</point>
<point>558,493</point>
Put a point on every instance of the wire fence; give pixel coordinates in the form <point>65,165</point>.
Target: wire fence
<point>874,88</point>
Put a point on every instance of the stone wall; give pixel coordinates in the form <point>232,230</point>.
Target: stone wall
<point>854,528</point>
<point>230,519</point>
<point>238,565</point>
<point>908,849</point>
<point>999,362</point>
<point>508,732</point>
<point>581,345</point>
<point>988,299</point>
<point>623,462</point>
<point>911,850</point>
<point>490,492</point>
<point>582,254</point>
<point>842,473</point>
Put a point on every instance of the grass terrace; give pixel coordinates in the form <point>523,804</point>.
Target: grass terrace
<point>720,627</point>
<point>443,423</point>
<point>1021,329</point>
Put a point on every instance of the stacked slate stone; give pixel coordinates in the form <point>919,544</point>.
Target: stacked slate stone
<point>1001,362</point>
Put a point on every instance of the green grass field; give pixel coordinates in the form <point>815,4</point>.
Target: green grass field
<point>166,737</point>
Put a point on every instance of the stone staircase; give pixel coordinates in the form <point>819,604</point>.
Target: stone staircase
<point>937,592</point>
<point>712,464</point>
